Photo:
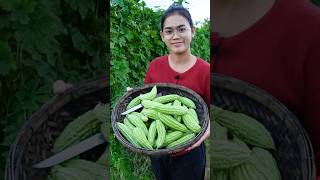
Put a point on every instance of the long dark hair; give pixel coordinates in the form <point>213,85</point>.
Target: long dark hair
<point>176,9</point>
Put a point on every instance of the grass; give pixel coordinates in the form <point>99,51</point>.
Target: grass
<point>128,165</point>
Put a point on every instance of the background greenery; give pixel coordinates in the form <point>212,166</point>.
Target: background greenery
<point>135,41</point>
<point>316,2</point>
<point>42,41</point>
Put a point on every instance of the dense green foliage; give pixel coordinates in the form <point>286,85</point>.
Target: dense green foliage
<point>316,2</point>
<point>42,41</point>
<point>135,41</point>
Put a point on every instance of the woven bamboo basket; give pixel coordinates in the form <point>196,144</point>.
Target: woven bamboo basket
<point>164,89</point>
<point>293,152</point>
<point>35,140</point>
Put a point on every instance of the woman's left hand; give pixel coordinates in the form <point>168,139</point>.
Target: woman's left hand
<point>204,137</point>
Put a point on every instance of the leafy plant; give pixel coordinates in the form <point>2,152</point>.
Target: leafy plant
<point>316,2</point>
<point>41,42</point>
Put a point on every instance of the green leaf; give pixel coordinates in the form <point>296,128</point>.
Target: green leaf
<point>20,9</point>
<point>6,60</point>
<point>84,7</point>
<point>80,42</point>
<point>117,3</point>
<point>316,2</point>
<point>39,35</point>
<point>4,21</point>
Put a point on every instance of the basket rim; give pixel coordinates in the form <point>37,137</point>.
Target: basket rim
<point>159,152</point>
<point>262,96</point>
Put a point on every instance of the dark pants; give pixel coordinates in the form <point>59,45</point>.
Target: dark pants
<point>190,166</point>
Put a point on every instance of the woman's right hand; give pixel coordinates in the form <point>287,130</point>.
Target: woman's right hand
<point>129,89</point>
<point>59,87</point>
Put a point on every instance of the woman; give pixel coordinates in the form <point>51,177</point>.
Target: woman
<point>182,68</point>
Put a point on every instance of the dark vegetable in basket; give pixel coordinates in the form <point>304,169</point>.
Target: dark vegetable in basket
<point>101,112</point>
<point>79,169</point>
<point>64,173</point>
<point>219,132</point>
<point>233,157</point>
<point>97,171</point>
<point>267,161</point>
<point>227,154</point>
<point>103,130</point>
<point>220,174</point>
<point>82,127</point>
<point>245,127</point>
<point>34,142</point>
<point>294,154</point>
<point>254,169</point>
<point>77,130</point>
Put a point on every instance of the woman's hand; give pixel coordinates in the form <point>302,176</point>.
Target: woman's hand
<point>60,87</point>
<point>204,137</point>
<point>129,89</point>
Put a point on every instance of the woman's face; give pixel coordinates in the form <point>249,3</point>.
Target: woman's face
<point>177,33</point>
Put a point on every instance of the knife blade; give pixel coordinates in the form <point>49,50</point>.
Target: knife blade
<point>136,107</point>
<point>132,109</point>
<point>72,151</point>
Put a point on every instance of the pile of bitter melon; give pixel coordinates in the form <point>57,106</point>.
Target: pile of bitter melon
<point>164,122</point>
<point>240,148</point>
<point>84,126</point>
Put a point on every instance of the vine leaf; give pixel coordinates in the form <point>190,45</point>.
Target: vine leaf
<point>6,60</point>
<point>20,9</point>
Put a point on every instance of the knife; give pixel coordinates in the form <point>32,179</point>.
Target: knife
<point>72,151</point>
<point>132,109</point>
<point>136,107</point>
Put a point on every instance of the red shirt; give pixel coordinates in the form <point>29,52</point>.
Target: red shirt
<point>197,78</point>
<point>280,54</point>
